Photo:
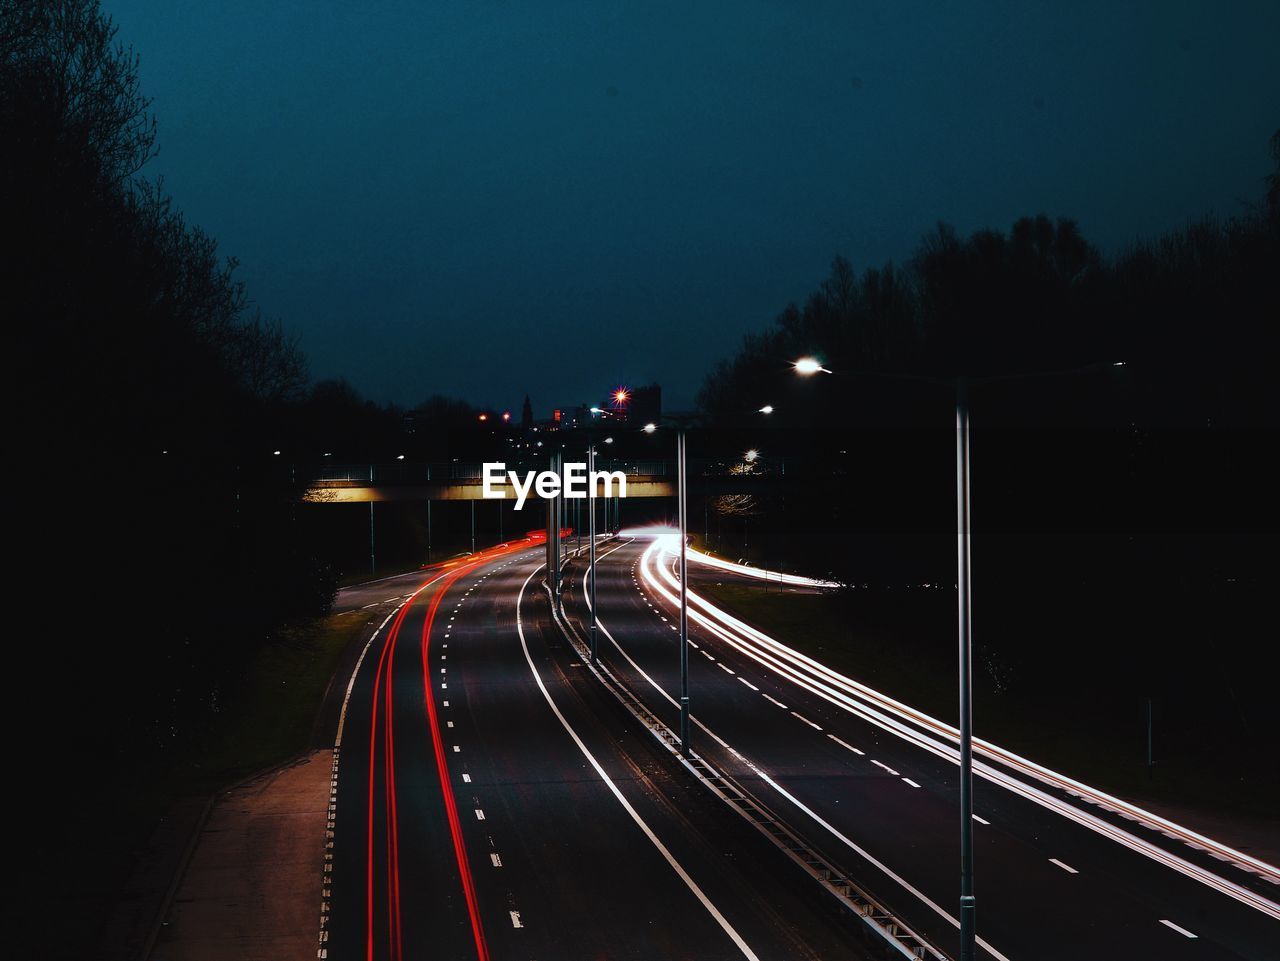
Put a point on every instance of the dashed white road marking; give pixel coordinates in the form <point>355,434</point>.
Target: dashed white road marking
<point>1066,867</point>
<point>1181,930</point>
<point>885,766</point>
<point>774,700</point>
<point>515,919</point>
<point>911,782</point>
<point>801,717</point>
<point>448,723</point>
<point>456,749</point>
<point>479,815</point>
<point>728,669</point>
<point>981,820</point>
<point>497,861</point>
<point>846,745</point>
<point>466,779</point>
<point>748,683</point>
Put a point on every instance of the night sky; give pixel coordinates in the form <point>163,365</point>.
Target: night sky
<point>491,198</point>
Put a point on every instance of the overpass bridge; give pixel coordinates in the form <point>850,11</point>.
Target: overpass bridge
<point>455,481</point>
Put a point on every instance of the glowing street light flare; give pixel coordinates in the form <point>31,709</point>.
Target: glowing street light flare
<point>608,440</point>
<point>809,365</point>
<point>506,415</point>
<point>484,417</point>
<point>649,428</point>
<point>621,396</point>
<point>751,455</point>
<point>767,409</point>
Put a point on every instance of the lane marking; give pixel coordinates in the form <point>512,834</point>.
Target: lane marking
<point>1177,927</point>
<point>730,670</point>
<point>497,861</point>
<point>748,683</point>
<point>479,815</point>
<point>466,779</point>
<point>515,919</point>
<point>911,782</point>
<point>1066,867</point>
<point>806,720</point>
<point>846,745</point>
<point>613,789</point>
<point>774,700</point>
<point>981,820</point>
<point>885,766</point>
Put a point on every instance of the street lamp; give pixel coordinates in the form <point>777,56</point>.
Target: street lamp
<point>751,455</point>
<point>682,519</point>
<point>806,366</point>
<point>766,409</point>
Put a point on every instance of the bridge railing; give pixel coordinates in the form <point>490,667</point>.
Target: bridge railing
<point>409,472</point>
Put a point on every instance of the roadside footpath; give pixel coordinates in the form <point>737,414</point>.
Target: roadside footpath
<point>252,887</point>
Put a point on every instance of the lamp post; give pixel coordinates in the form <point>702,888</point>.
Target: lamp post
<point>591,539</point>
<point>681,505</point>
<point>807,366</point>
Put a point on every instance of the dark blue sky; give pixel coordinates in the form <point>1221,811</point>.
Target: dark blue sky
<point>494,197</point>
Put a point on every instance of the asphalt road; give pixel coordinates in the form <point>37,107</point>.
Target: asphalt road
<point>493,801</point>
<point>883,805</point>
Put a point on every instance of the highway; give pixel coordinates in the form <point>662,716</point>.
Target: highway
<point>491,800</point>
<point>1063,871</point>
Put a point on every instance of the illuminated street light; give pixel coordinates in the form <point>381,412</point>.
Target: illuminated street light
<point>620,396</point>
<point>484,417</point>
<point>608,440</point>
<point>809,365</point>
<point>506,415</point>
<point>275,453</point>
<point>400,457</point>
<point>767,409</point>
<point>649,428</point>
<point>751,455</point>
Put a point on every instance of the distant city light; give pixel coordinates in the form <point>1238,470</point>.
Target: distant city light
<point>620,396</point>
<point>484,416</point>
<point>751,455</point>
<point>506,415</point>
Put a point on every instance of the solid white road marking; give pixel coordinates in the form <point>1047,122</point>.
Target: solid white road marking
<point>1181,930</point>
<point>621,798</point>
